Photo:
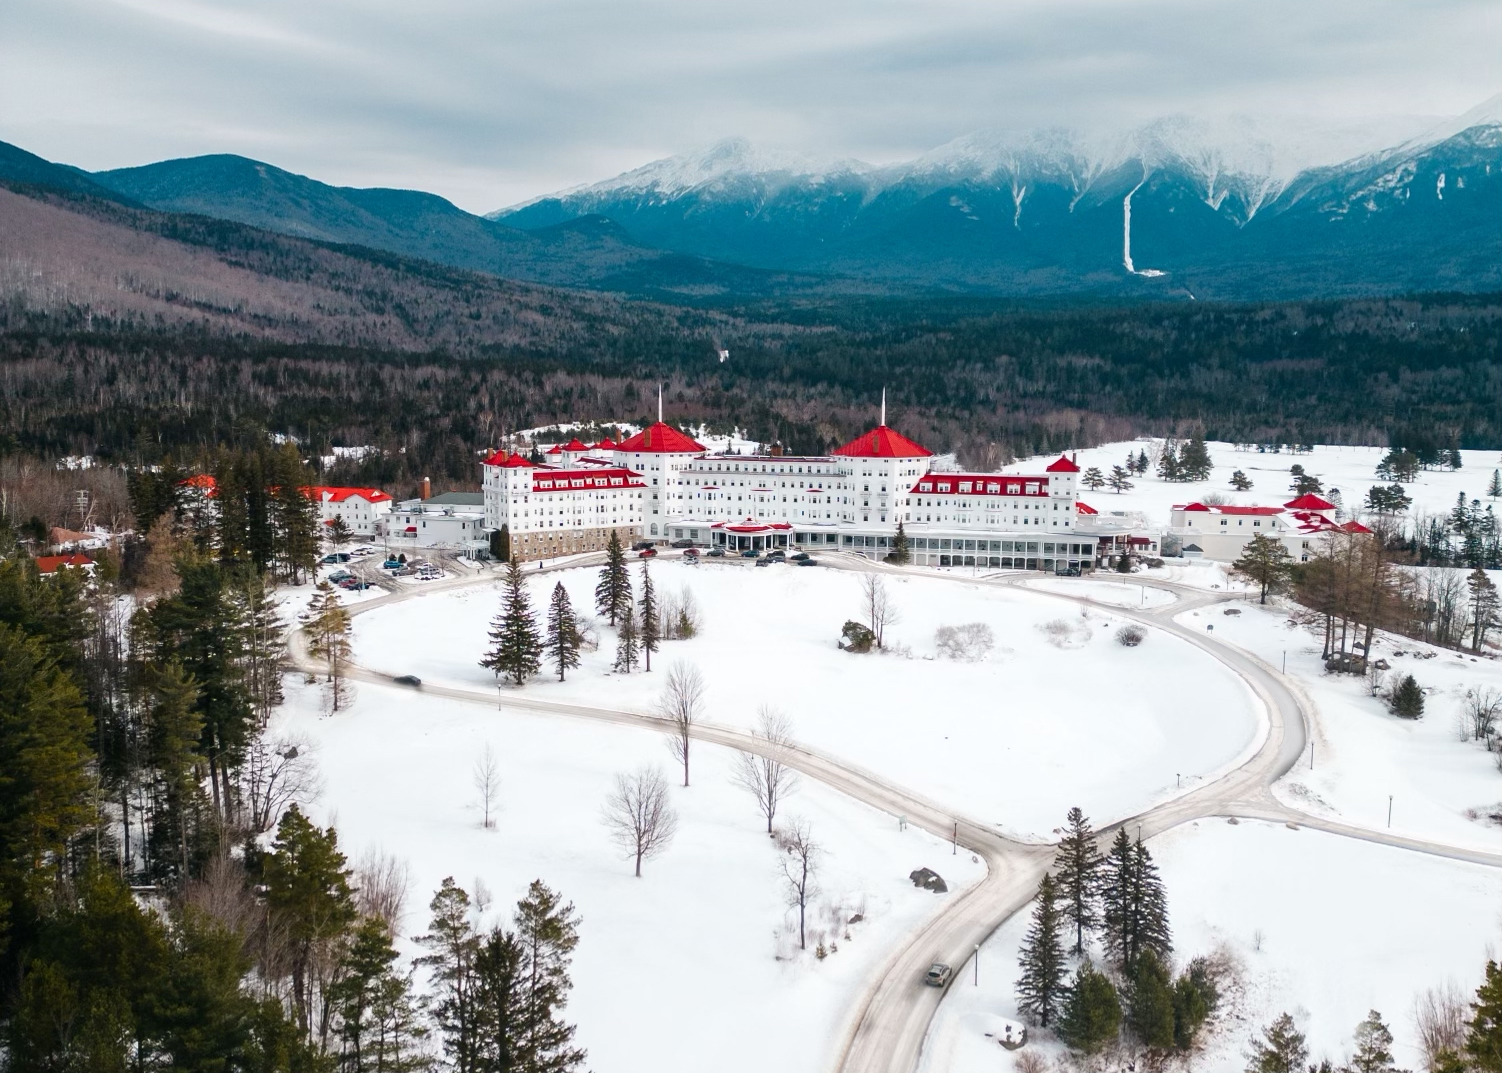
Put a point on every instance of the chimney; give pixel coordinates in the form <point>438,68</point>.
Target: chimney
<point>776,450</point>
<point>427,488</point>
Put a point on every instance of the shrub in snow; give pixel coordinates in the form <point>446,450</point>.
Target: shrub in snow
<point>680,615</point>
<point>970,642</point>
<point>1131,636</point>
<point>856,638</point>
<point>1406,699</point>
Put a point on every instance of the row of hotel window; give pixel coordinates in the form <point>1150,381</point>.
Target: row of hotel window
<point>1000,547</point>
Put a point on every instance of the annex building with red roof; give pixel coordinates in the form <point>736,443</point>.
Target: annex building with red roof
<point>1221,531</point>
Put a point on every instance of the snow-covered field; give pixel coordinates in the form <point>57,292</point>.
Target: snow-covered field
<point>1442,788</point>
<point>693,966</point>
<point>1350,469</point>
<point>1015,739</point>
<point>1322,927</point>
<point>1114,593</point>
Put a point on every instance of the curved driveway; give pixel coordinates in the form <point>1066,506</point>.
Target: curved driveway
<point>885,1031</point>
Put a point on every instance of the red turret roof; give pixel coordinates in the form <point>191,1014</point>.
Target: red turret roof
<point>605,445</point>
<point>883,442</point>
<point>1063,465</point>
<point>507,460</point>
<point>661,438</point>
<point>1309,501</point>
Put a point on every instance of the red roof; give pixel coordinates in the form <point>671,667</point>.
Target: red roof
<point>1201,508</point>
<point>556,449</point>
<point>883,442</point>
<point>605,445</point>
<point>561,480</point>
<point>339,494</point>
<point>750,525</point>
<point>980,484</point>
<point>1309,501</point>
<point>1355,527</point>
<point>1063,465</point>
<point>1084,508</point>
<point>575,445</point>
<point>509,461</point>
<point>203,481</point>
<point>47,564</point>
<point>661,438</point>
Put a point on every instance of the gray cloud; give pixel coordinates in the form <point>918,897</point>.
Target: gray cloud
<point>492,101</point>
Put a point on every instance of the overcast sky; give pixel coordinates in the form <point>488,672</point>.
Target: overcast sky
<point>489,102</point>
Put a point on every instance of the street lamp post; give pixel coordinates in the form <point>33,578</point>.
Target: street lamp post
<point>977,964</point>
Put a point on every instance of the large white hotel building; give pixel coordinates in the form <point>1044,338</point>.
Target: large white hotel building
<point>663,485</point>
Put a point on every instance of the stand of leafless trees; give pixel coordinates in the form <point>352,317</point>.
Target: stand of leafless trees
<point>877,607</point>
<point>639,816</point>
<point>765,774</point>
<point>800,866</point>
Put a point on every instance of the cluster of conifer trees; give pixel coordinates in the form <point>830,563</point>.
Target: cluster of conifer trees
<point>1116,899</point>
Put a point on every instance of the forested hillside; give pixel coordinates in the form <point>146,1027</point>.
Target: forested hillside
<point>132,334</point>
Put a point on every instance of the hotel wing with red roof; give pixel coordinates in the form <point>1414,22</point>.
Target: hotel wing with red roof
<point>1221,532</point>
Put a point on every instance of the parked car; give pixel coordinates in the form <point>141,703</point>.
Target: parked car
<point>798,556</point>
<point>340,575</point>
<point>763,562</point>
<point>641,545</point>
<point>808,562</point>
<point>691,553</point>
<point>691,560</point>
<point>749,553</point>
<point>647,553</point>
<point>408,680</point>
<point>779,555</point>
<point>685,543</point>
<point>392,564</point>
<point>938,974</point>
<point>336,557</point>
<point>717,553</point>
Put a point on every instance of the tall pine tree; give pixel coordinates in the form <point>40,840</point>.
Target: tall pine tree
<point>627,651</point>
<point>516,649</point>
<point>1091,1015</point>
<point>562,644</point>
<point>651,619</point>
<point>1079,866</point>
<point>613,593</point>
<point>1135,909</point>
<point>547,931</point>
<point>1040,989</point>
<point>1150,1003</point>
<point>453,949</point>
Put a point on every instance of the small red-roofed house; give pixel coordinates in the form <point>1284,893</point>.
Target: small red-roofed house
<point>48,565</point>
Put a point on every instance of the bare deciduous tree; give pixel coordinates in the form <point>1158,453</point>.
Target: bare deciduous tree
<point>1439,1015</point>
<point>224,894</point>
<point>381,882</point>
<point>1482,708</point>
<point>800,865</point>
<point>487,780</point>
<point>276,774</point>
<point>640,818</point>
<point>877,606</point>
<point>764,773</point>
<point>681,704</point>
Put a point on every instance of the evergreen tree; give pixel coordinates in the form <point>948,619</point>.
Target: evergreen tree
<point>1407,699</point>
<point>613,593</point>
<point>1119,480</point>
<point>338,533</point>
<point>1143,465</point>
<point>1079,866</point>
<point>1040,989</point>
<point>1484,606</point>
<point>1240,481</point>
<point>627,651</point>
<point>328,632</point>
<point>1265,562</point>
<point>516,649</point>
<point>1195,996</point>
<point>1150,1012</point>
<point>294,515</point>
<point>1280,1050</point>
<point>498,1002</point>
<point>310,899</point>
<point>651,627</point>
<point>902,554</point>
<point>1494,488</point>
<point>1135,911</point>
<point>378,1026</point>
<point>1194,462</point>
<point>1091,1016</point>
<point>1373,1047</point>
<point>562,644</point>
<point>1093,479</point>
<point>1398,465</point>
<point>1389,500</point>
<point>1453,459</point>
<point>1484,1036</point>
<point>1168,462</point>
<point>547,931</point>
<point>500,543</point>
<point>174,732</point>
<point>453,948</point>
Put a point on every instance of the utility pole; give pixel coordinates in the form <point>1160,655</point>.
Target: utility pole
<point>954,845</point>
<point>977,964</point>
<point>1389,810</point>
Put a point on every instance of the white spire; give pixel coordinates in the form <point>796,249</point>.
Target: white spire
<point>659,403</point>
<point>883,407</point>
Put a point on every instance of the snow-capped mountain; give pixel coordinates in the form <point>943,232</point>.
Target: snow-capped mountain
<point>1212,207</point>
